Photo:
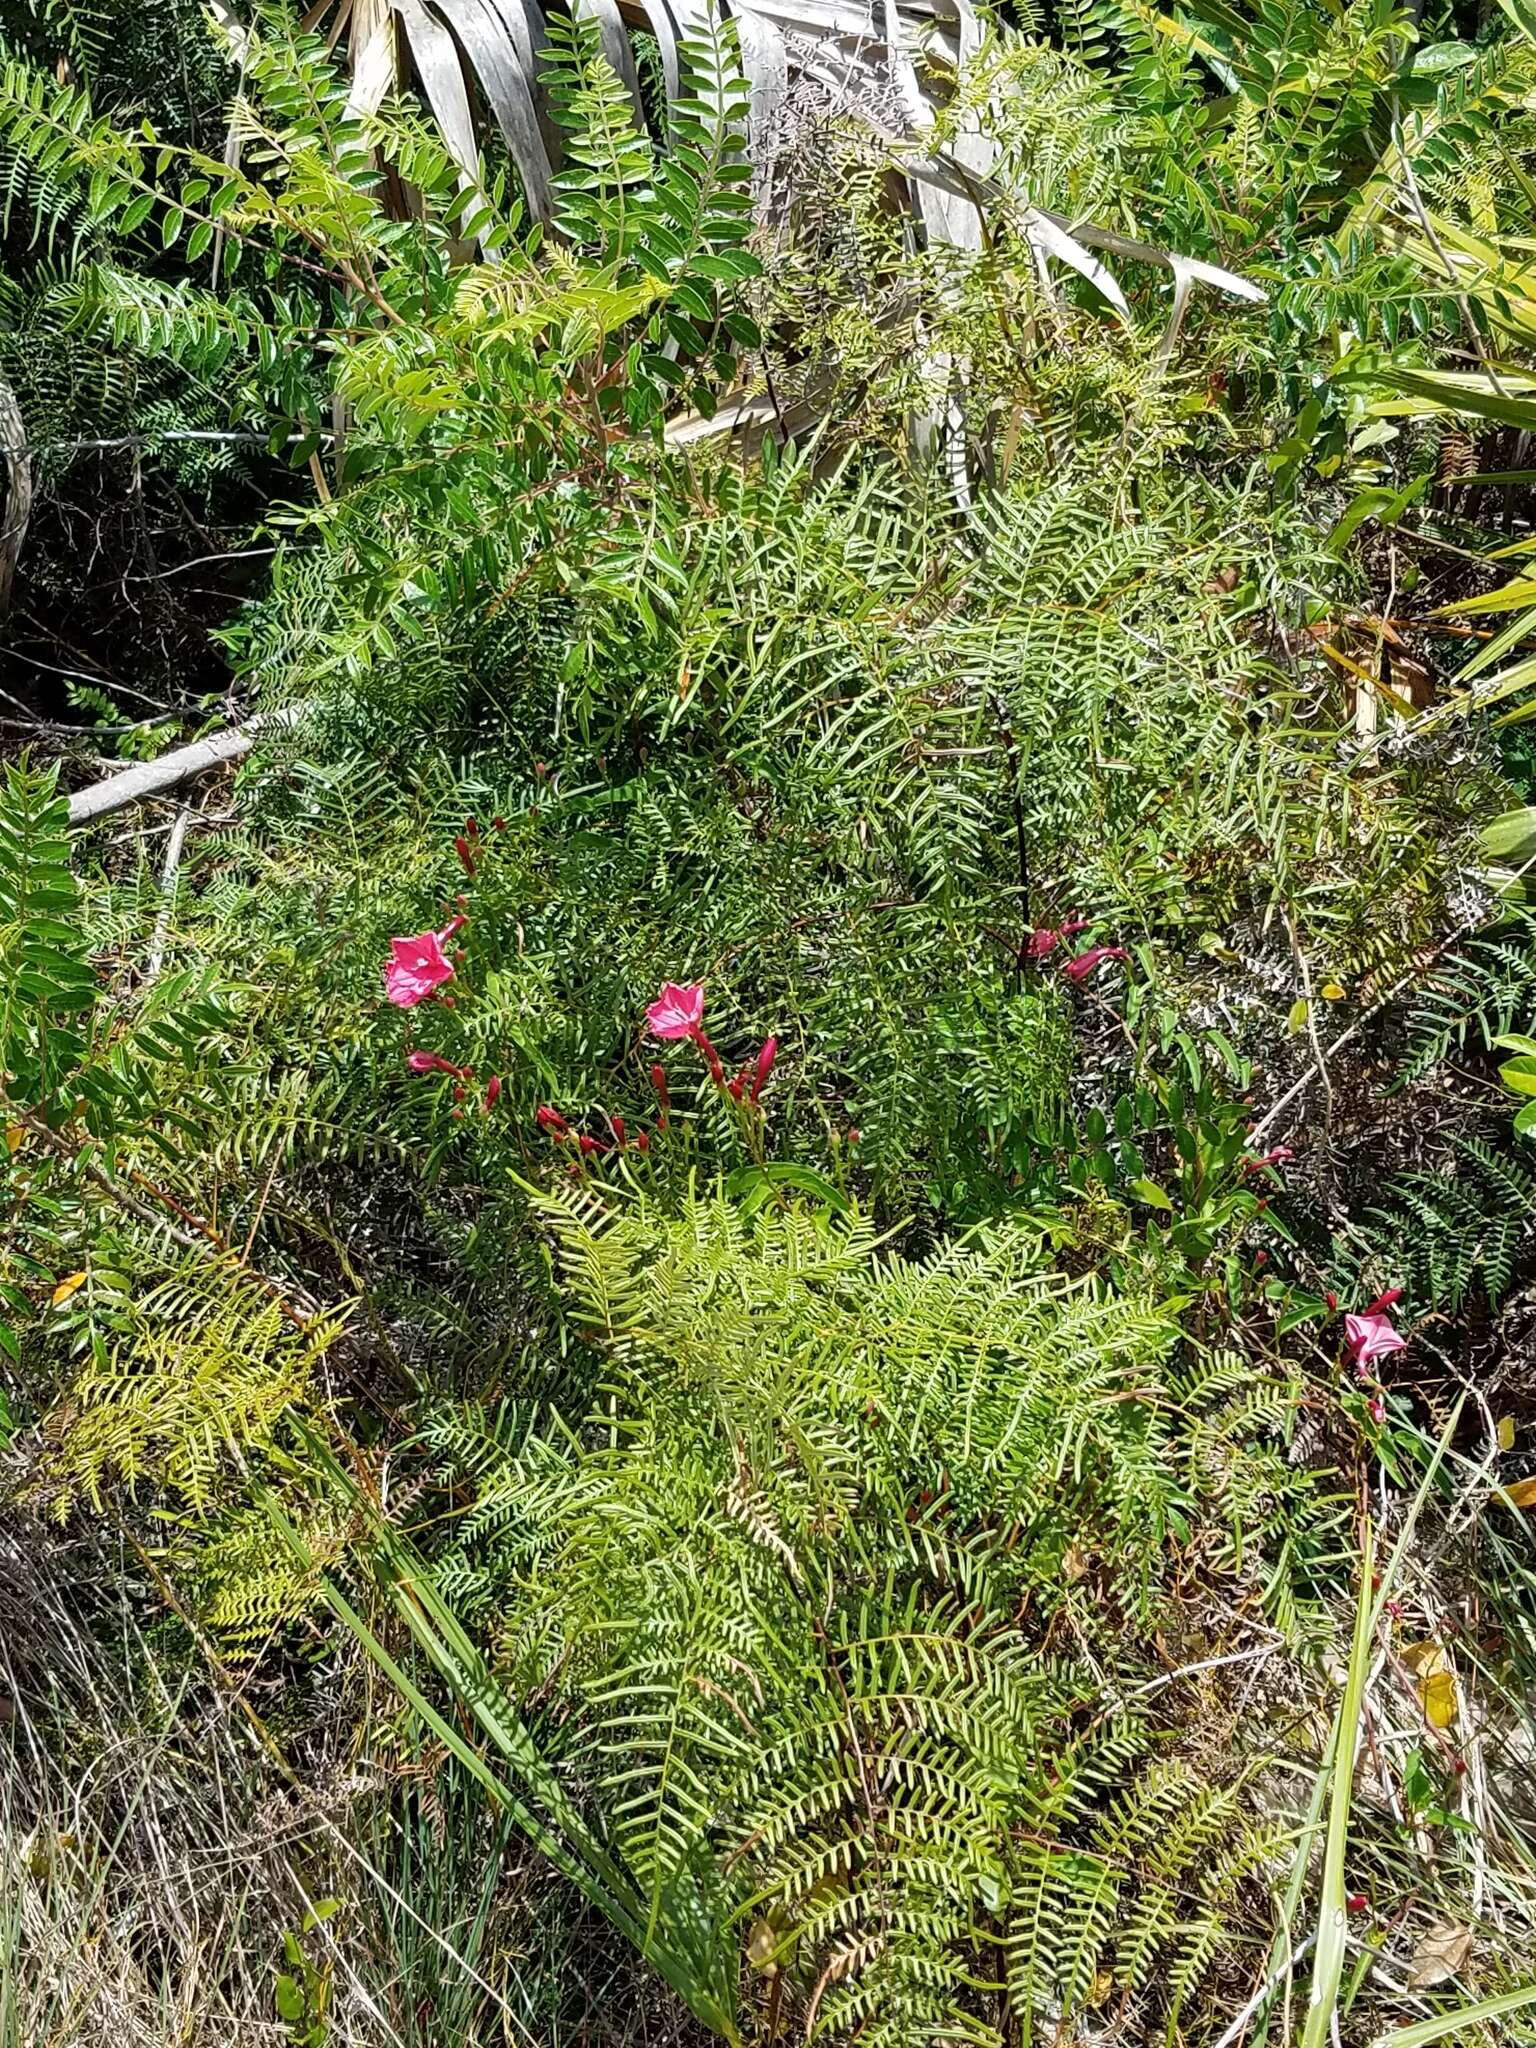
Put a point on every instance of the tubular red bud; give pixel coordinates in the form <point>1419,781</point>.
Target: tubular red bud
<point>1261,1258</point>
<point>590,1145</point>
<point>734,1086</point>
<point>642,1141</point>
<point>1356,1902</point>
<point>458,1093</point>
<point>764,1067</point>
<point>498,824</point>
<point>492,1091</point>
<point>1331,1298</point>
<point>854,1134</point>
<point>618,1130</point>
<point>1383,1302</point>
<point>466,858</point>
<point>552,1121</point>
<point>471,827</point>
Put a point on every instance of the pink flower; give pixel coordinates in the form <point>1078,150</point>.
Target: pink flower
<point>418,965</point>
<point>677,1012</point>
<point>1085,963</point>
<point>1041,942</point>
<point>764,1067</point>
<point>1371,1336</point>
<point>434,1063</point>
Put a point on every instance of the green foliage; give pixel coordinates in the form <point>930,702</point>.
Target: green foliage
<point>1458,1230</point>
<point>799,1572</point>
<point>838,1531</point>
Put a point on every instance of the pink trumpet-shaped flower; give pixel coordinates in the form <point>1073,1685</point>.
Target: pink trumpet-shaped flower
<point>764,1067</point>
<point>1080,968</point>
<point>677,1012</point>
<point>434,1063</point>
<point>1370,1337</point>
<point>418,965</point>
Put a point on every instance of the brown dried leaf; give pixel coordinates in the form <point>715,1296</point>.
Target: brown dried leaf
<point>1438,1954</point>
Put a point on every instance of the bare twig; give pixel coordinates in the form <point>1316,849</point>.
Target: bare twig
<point>169,771</point>
<point>169,876</point>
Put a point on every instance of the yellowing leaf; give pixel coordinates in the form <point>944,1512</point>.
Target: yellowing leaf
<point>1296,1021</point>
<point>1437,1696</point>
<point>13,1137</point>
<point>1436,1681</point>
<point>67,1286</point>
<point>1333,991</point>
<point>1523,1493</point>
<point>1506,1432</point>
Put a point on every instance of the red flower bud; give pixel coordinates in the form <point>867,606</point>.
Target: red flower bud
<point>1261,1258</point>
<point>492,1091</point>
<point>1383,1302</point>
<point>466,858</point>
<point>461,903</point>
<point>590,1145</point>
<point>642,1141</point>
<point>1356,1902</point>
<point>618,1130</point>
<point>1332,1299</point>
<point>1459,1766</point>
<point>854,1134</point>
<point>764,1067</point>
<point>541,769</point>
<point>498,824</point>
<point>552,1121</point>
<point>659,1083</point>
<point>458,1116</point>
<point>734,1086</point>
<point>458,1093</point>
<point>471,827</point>
<point>1376,1408</point>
